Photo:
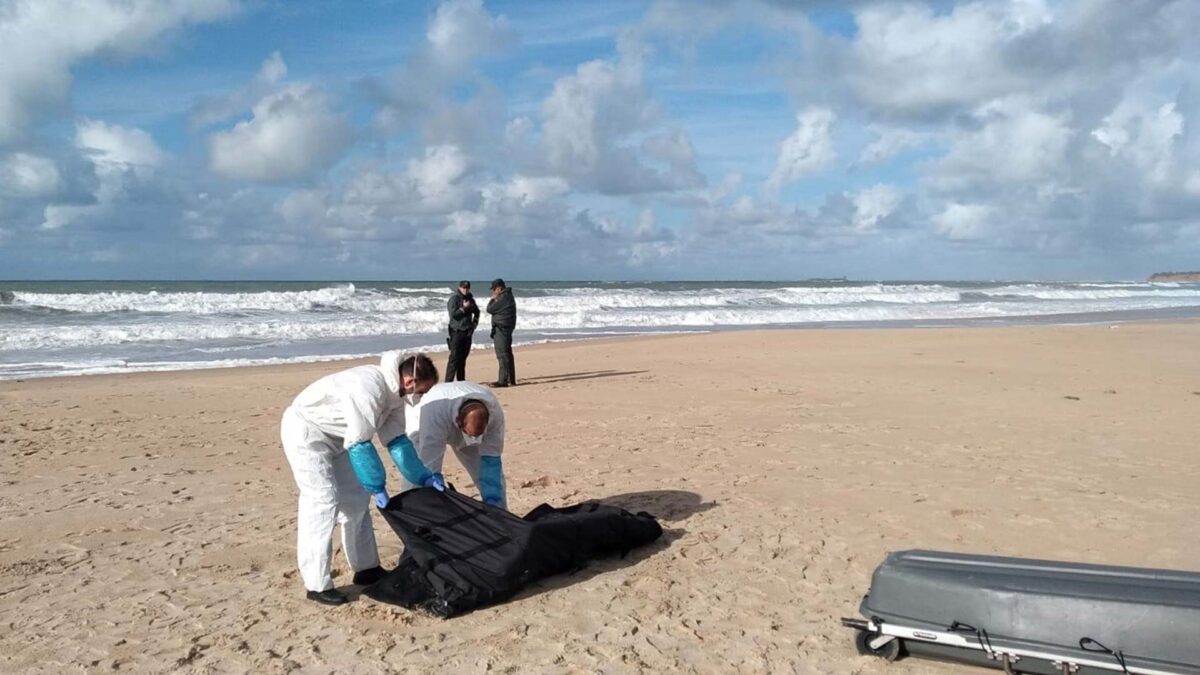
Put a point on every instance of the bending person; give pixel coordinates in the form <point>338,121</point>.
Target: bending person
<point>468,418</point>
<point>326,435</point>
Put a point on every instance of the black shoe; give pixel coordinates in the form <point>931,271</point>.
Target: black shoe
<point>368,577</point>
<point>330,597</point>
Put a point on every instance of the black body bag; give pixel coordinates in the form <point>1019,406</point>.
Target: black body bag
<point>460,554</point>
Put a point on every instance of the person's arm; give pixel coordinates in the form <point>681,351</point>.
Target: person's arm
<point>361,410</point>
<point>491,481</point>
<point>473,312</point>
<point>492,489</point>
<point>455,306</point>
<point>414,461</point>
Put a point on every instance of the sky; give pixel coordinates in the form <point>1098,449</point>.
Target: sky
<point>598,139</point>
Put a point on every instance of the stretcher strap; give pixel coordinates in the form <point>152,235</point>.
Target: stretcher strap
<point>981,635</point>
<point>1118,655</point>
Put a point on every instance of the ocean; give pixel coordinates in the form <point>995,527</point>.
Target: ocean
<point>85,327</point>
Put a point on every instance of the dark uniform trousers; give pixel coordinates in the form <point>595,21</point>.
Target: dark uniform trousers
<point>502,338</point>
<point>460,348</point>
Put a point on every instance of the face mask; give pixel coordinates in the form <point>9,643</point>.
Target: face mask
<point>472,440</point>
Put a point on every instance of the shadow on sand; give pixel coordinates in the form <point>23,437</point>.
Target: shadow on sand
<point>568,377</point>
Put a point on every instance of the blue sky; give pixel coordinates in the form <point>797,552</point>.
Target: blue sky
<point>664,139</point>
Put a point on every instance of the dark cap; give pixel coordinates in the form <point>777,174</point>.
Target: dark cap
<point>498,283</point>
<point>464,284</point>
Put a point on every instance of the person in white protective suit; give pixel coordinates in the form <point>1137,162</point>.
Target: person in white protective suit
<point>326,435</point>
<point>467,417</point>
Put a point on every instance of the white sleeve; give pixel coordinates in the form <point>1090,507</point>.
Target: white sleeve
<point>362,408</point>
<point>435,431</point>
<point>493,439</point>
<point>392,426</point>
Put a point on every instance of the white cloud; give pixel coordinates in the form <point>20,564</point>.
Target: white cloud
<point>808,150</point>
<point>963,222</point>
<point>428,91</point>
<point>1144,135</point>
<point>435,183</point>
<point>217,109</point>
<point>889,141</point>
<point>438,176</point>
<point>1014,144</point>
<point>600,103</point>
<point>112,145</point>
<point>41,40</point>
<point>589,123</point>
<point>873,204</point>
<point>909,60</point>
<point>26,175</point>
<point>119,156</point>
<point>464,226</point>
<point>292,134</point>
<point>525,190</point>
<point>461,30</point>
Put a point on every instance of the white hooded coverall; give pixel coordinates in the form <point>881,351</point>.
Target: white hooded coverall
<point>435,419</point>
<point>330,417</point>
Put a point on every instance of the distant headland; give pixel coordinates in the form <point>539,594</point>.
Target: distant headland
<point>1175,276</point>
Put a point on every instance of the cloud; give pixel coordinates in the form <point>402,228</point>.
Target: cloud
<point>437,177</point>
<point>437,90</point>
<point>589,121</point>
<point>1143,135</point>
<point>463,30</point>
<point>216,109</point>
<point>464,226</point>
<point>40,42</point>
<point>112,145</point>
<point>910,61</point>
<point>435,183</point>
<point>525,190</point>
<point>889,142</point>
<point>26,175</point>
<point>873,204</point>
<point>963,222</point>
<point>808,150</point>
<point>1013,144</point>
<point>293,133</point>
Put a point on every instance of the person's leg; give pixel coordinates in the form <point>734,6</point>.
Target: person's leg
<point>358,534</point>
<point>453,360</point>
<point>461,347</point>
<point>503,344</point>
<point>465,353</point>
<point>512,362</point>
<point>309,453</point>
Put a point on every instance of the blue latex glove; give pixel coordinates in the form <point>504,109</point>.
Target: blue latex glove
<point>437,482</point>
<point>381,499</point>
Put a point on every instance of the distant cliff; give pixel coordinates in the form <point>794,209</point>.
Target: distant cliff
<point>1175,276</point>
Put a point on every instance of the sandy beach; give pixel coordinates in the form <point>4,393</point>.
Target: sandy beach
<point>147,521</point>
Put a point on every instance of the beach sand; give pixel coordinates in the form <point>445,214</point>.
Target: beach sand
<point>147,521</point>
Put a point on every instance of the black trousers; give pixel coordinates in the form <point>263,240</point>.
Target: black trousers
<point>502,338</point>
<point>460,348</point>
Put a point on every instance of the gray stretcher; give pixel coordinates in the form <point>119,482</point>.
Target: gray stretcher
<point>1031,616</point>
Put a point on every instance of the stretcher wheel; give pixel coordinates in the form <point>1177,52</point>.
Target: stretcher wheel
<point>888,652</point>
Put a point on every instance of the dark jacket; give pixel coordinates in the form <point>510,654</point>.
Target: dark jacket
<point>464,315</point>
<point>503,310</point>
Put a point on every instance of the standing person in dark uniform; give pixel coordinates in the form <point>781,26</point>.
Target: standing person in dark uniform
<point>503,309</point>
<point>464,316</point>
